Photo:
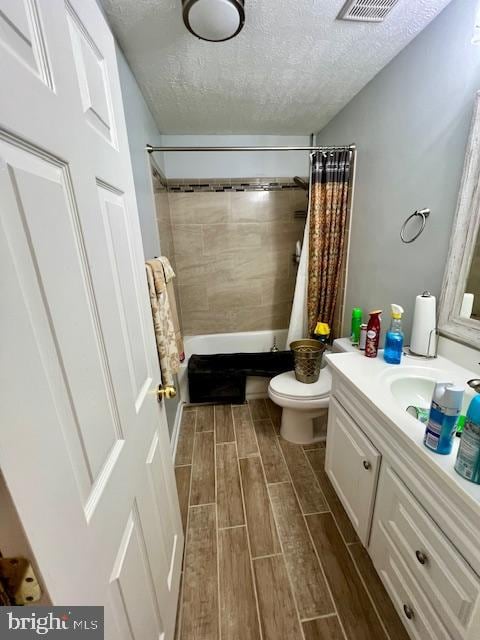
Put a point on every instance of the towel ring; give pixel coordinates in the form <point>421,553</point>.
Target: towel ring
<point>423,213</point>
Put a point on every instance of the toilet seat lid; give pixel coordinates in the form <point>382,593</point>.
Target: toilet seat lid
<point>287,385</point>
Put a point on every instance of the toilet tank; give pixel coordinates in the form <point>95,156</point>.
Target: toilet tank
<point>341,345</point>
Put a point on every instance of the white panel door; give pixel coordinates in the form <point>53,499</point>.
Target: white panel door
<point>83,441</point>
<point>352,464</point>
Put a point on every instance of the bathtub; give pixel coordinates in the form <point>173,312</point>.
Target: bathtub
<point>241,342</point>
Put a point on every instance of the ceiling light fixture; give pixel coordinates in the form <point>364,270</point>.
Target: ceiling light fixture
<point>214,20</point>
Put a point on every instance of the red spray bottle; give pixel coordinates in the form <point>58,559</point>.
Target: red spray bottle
<point>373,334</point>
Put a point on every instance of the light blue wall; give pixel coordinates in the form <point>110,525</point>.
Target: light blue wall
<point>242,164</point>
<point>410,124</point>
<point>141,129</point>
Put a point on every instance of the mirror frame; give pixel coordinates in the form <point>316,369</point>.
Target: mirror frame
<point>462,244</point>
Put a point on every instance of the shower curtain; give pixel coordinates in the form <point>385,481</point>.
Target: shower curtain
<point>319,271</point>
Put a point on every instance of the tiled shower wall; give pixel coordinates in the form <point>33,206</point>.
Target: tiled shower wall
<point>233,257</point>
<point>165,228</point>
<point>164,220</point>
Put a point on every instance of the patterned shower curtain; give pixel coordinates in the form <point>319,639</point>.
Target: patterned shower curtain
<point>329,198</point>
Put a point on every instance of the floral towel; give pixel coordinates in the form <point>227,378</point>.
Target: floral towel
<point>169,276</point>
<point>168,355</point>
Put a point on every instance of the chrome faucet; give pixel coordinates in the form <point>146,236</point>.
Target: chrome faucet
<point>474,384</point>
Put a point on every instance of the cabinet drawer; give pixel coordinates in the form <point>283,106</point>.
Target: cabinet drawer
<point>352,464</point>
<point>446,580</point>
<point>417,614</point>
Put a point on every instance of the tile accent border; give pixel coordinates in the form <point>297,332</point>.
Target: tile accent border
<point>191,185</point>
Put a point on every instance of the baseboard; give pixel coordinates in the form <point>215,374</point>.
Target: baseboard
<point>176,429</point>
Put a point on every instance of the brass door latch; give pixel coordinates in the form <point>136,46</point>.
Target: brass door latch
<point>166,392</point>
<point>19,582</point>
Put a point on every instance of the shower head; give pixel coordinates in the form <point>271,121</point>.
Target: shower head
<point>300,182</point>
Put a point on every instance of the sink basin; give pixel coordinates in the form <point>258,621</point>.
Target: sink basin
<point>413,391</point>
<point>414,385</point>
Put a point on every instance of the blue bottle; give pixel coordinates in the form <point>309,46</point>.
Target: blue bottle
<point>394,338</point>
<point>442,422</point>
<point>468,456</point>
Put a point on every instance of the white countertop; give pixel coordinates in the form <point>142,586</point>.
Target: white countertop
<point>372,378</point>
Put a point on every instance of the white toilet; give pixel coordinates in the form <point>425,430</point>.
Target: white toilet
<point>302,402</point>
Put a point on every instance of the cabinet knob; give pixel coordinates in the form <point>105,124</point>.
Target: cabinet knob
<point>421,557</point>
<point>367,465</point>
<point>408,611</point>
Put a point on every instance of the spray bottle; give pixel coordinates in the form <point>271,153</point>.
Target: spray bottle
<point>394,338</point>
<point>442,422</point>
<point>468,456</point>
<point>356,322</point>
<point>373,334</point>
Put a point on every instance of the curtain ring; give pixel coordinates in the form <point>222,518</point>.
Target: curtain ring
<point>423,213</point>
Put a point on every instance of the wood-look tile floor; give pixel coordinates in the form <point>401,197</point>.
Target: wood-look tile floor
<point>270,553</point>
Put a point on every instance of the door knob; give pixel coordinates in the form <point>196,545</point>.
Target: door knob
<point>166,392</point>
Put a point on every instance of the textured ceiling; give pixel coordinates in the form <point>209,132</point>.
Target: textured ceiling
<point>290,70</point>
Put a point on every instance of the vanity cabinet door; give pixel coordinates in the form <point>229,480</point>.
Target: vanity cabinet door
<point>352,464</point>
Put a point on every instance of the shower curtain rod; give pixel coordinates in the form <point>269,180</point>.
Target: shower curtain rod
<point>350,147</point>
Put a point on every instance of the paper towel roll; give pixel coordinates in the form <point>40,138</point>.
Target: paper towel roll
<point>424,323</point>
<point>467,305</point>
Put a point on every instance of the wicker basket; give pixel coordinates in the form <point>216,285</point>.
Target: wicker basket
<point>307,355</point>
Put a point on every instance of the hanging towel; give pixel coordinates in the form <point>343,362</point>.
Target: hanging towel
<point>169,276</point>
<point>162,322</point>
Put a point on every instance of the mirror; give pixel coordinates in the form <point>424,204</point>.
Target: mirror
<point>470,305</point>
<point>459,316</point>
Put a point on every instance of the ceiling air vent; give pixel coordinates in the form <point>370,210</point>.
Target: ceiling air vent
<point>366,10</point>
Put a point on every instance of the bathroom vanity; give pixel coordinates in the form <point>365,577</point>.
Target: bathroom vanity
<point>418,519</point>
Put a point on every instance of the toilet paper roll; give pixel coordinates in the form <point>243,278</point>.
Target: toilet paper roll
<point>424,325</point>
<point>467,305</point>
